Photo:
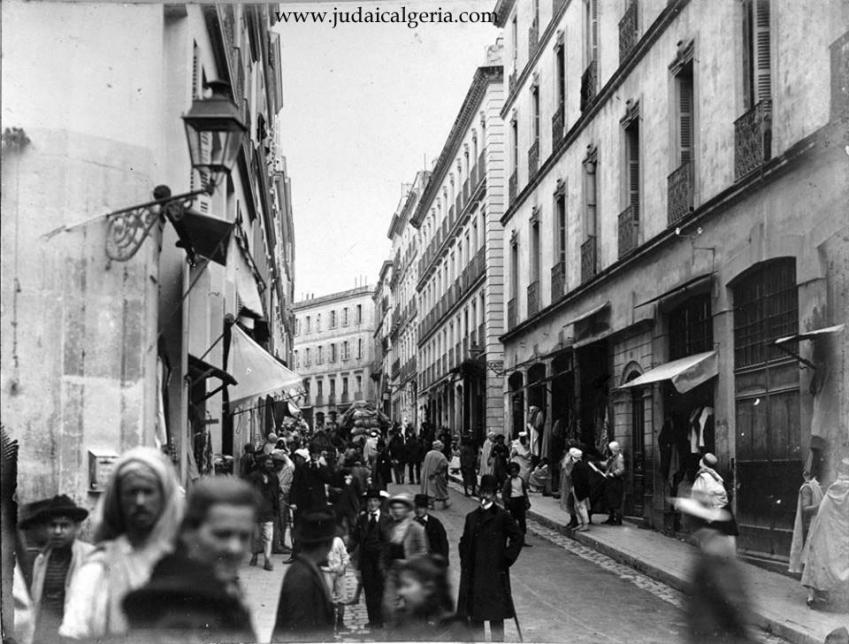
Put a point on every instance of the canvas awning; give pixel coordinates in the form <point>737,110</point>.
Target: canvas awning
<point>588,314</point>
<point>258,372</point>
<point>810,335</point>
<point>685,373</point>
<point>240,272</point>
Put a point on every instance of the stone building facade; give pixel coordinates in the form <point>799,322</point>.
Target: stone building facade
<point>677,192</point>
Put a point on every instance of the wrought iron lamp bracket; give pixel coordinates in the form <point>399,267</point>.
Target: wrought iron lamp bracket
<point>127,229</point>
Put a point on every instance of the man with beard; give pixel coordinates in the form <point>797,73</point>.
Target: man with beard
<point>54,568</point>
<point>137,521</point>
<point>196,589</point>
<point>490,544</point>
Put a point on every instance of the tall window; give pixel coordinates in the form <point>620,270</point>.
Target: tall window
<point>307,356</point>
<point>345,316</point>
<point>333,319</point>
<point>359,384</point>
<point>534,247</point>
<point>684,80</point>
<point>535,105</point>
<point>309,325</point>
<point>319,387</point>
<point>757,79</point>
<point>344,386</point>
<point>590,193</point>
<point>318,323</point>
<point>514,135</point>
<point>514,268</point>
<point>632,160</point>
<point>332,386</point>
<point>560,231</point>
<point>691,327</point>
<point>332,353</point>
<point>359,349</point>
<point>318,355</point>
<point>359,313</point>
<point>514,36</point>
<point>591,30</point>
<point>560,74</point>
<point>298,361</point>
<point>345,351</point>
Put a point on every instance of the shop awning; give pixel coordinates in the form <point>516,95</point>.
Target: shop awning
<point>685,373</point>
<point>258,372</point>
<point>695,282</point>
<point>588,314</point>
<point>810,335</point>
<point>240,272</point>
<point>207,370</point>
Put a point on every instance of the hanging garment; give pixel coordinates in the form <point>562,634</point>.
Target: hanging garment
<point>693,427</point>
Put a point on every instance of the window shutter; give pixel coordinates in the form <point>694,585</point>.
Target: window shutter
<point>762,50</point>
<point>685,86</point>
<point>634,170</point>
<point>748,48</point>
<point>594,36</point>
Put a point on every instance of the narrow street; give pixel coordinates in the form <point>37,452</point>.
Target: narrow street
<point>563,591</point>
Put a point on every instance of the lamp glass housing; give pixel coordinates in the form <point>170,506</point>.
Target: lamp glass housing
<point>214,132</point>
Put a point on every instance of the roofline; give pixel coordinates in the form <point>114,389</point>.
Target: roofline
<point>341,295</point>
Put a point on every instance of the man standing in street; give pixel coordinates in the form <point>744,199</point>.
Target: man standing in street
<point>413,455</point>
<point>490,544</point>
<point>309,493</point>
<point>613,485</point>
<point>397,453</point>
<point>54,568</point>
<point>139,515</point>
<point>437,538</point>
<point>266,484</point>
<point>370,541</point>
<point>285,470</point>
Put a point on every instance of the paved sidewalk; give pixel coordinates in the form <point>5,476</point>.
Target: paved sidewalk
<point>778,601</point>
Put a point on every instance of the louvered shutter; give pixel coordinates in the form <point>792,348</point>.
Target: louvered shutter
<point>195,94</point>
<point>594,35</point>
<point>685,86</point>
<point>634,169</point>
<point>761,56</point>
<point>748,47</point>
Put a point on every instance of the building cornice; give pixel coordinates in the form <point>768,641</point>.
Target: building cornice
<point>484,76</point>
<point>332,297</point>
<point>821,140</point>
<point>607,93</point>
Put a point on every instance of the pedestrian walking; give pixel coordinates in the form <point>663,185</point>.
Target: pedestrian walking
<point>499,455</point>
<point>55,566</point>
<point>334,569</point>
<point>426,610</point>
<point>407,539</point>
<point>567,498</point>
<point>383,465</point>
<point>369,544</point>
<point>468,464</point>
<point>304,610</point>
<point>826,554</point>
<point>490,544</point>
<point>308,494</point>
<point>437,538</point>
<point>514,493</point>
<point>435,475</point>
<point>137,519</point>
<point>807,504</point>
<point>397,454</point>
<point>486,453</point>
<point>266,484</point>
<point>614,486</point>
<point>285,470</point>
<point>520,453</point>
<point>195,590</point>
<point>581,489</point>
<point>709,490</point>
<point>414,455</point>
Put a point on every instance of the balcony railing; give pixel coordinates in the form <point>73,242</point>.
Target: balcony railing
<point>511,313</point>
<point>680,197</point>
<point>533,158</point>
<point>558,281</point>
<point>557,126</point>
<point>589,85</point>
<point>533,298</point>
<point>512,184</point>
<point>628,31</point>
<point>533,39</point>
<point>588,259</point>
<point>629,230</point>
<point>752,139</point>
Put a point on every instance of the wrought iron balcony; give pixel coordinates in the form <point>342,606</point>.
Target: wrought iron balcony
<point>680,197</point>
<point>512,185</point>
<point>533,39</point>
<point>589,263</point>
<point>558,281</point>
<point>629,230</point>
<point>533,158</point>
<point>557,126</point>
<point>533,298</point>
<point>752,139</point>
<point>628,31</point>
<point>511,313</point>
<point>589,85</point>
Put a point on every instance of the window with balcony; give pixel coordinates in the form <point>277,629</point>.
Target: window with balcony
<point>514,281</point>
<point>360,349</point>
<point>512,182</point>
<point>682,180</point>
<point>533,151</point>
<point>589,260</point>
<point>753,130</point>
<point>533,263</point>
<point>558,271</point>
<point>629,218</point>
<point>589,79</point>
<point>558,121</point>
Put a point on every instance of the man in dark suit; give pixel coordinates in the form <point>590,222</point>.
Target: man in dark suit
<point>308,493</point>
<point>304,611</point>
<point>370,541</point>
<point>490,544</point>
<point>437,539</point>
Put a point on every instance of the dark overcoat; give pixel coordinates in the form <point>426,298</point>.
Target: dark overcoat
<point>491,542</point>
<point>308,492</point>
<point>304,611</point>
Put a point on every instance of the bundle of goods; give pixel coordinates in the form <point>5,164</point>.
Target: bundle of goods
<point>362,418</point>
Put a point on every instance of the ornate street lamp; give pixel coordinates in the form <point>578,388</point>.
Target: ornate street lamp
<point>214,133</point>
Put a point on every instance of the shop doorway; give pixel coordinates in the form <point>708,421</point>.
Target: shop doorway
<point>563,426</point>
<point>634,502</point>
<point>594,392</point>
<point>517,403</point>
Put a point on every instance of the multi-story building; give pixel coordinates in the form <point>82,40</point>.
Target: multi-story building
<point>460,266</point>
<point>677,209</point>
<point>111,338</point>
<point>382,364</point>
<point>404,322</point>
<point>334,351</point>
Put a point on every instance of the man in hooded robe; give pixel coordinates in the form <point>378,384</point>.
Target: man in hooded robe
<point>137,520</point>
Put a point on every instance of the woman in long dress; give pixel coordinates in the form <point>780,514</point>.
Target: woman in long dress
<point>435,474</point>
<point>810,495</point>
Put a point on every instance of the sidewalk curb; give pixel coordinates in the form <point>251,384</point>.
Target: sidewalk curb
<point>789,632</point>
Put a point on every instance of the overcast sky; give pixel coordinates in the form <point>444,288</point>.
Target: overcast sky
<point>363,106</point>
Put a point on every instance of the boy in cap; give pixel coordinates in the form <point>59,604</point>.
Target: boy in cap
<point>437,539</point>
<point>55,566</point>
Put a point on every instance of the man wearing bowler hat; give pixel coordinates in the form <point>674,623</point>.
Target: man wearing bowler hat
<point>437,539</point>
<point>305,612</point>
<point>54,567</point>
<point>490,544</point>
<point>370,542</point>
